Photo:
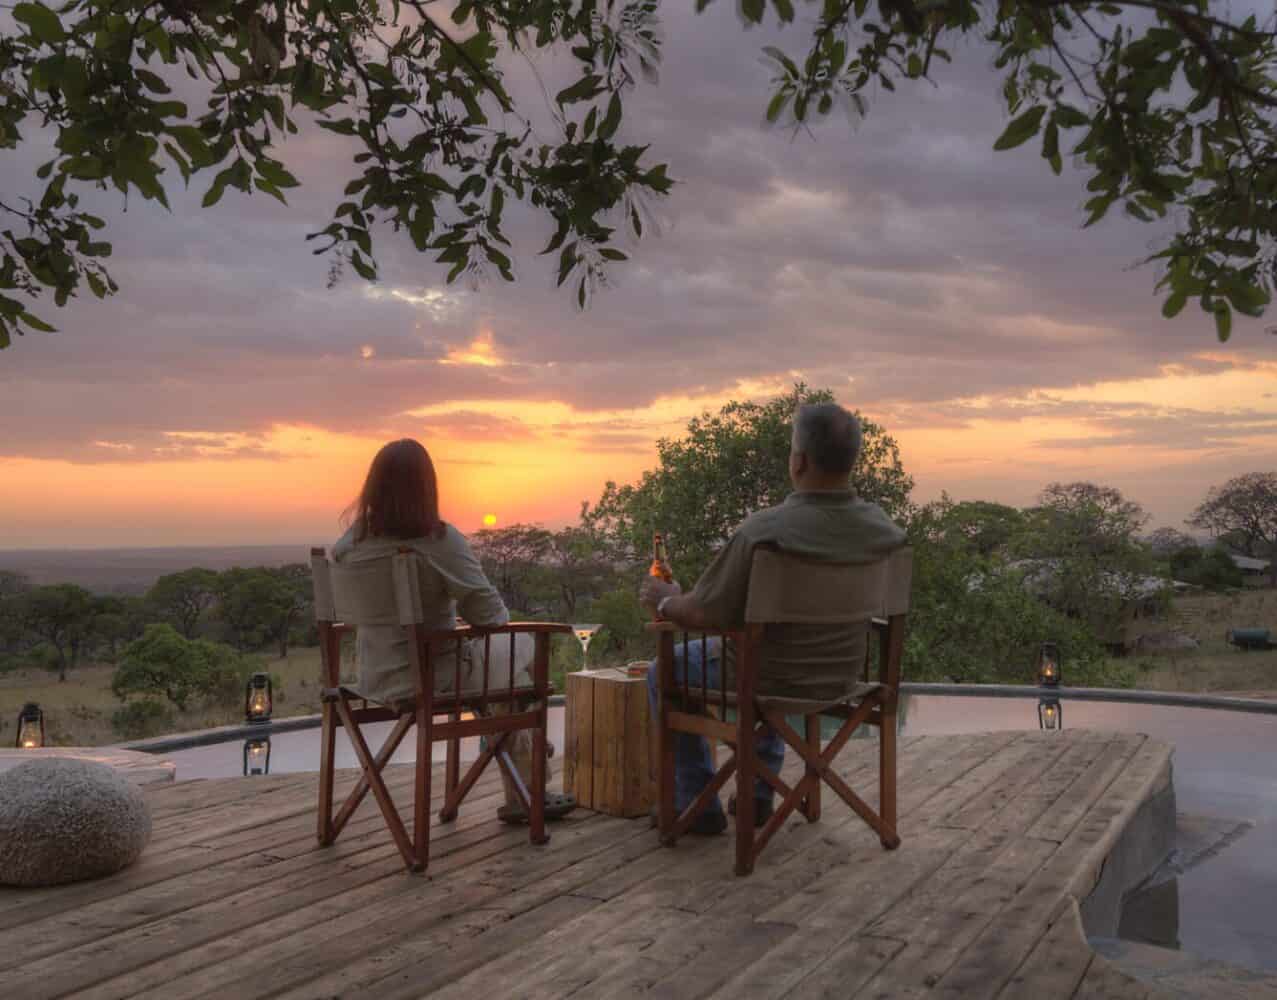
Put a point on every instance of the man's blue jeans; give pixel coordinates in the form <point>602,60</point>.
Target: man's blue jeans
<point>693,765</point>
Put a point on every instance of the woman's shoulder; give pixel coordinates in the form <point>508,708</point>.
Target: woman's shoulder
<point>447,538</point>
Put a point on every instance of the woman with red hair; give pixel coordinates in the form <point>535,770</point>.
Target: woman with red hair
<point>397,508</point>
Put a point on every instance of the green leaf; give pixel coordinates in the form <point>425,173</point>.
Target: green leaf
<point>35,323</point>
<point>753,13</point>
<point>1051,146</point>
<point>784,10</point>
<point>1021,129</point>
<point>40,21</point>
<point>608,253</point>
<point>1174,303</point>
<point>582,90</point>
<point>214,193</point>
<point>612,119</point>
<point>1223,321</point>
<point>777,105</point>
<point>364,269</point>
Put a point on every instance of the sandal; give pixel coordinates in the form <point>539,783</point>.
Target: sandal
<point>556,807</point>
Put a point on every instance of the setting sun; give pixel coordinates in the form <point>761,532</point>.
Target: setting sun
<point>489,520</point>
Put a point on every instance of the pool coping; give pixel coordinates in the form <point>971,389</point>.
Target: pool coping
<point>1173,699</point>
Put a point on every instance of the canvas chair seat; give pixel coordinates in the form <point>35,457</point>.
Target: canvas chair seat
<point>787,590</point>
<point>385,591</point>
<point>786,705</point>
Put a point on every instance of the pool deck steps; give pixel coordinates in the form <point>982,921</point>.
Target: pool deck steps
<point>1006,835</point>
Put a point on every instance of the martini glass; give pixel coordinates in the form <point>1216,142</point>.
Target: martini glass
<point>584,633</point>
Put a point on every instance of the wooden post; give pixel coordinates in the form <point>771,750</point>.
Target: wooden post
<point>605,762</point>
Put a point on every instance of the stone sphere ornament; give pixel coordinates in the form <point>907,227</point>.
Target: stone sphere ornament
<point>65,820</point>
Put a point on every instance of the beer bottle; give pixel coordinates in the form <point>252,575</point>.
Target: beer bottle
<point>660,567</point>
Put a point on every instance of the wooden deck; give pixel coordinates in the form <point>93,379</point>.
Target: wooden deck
<point>233,898</point>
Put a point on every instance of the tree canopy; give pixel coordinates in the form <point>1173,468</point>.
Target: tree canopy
<point>728,465</point>
<point>1166,104</point>
<point>1242,513</point>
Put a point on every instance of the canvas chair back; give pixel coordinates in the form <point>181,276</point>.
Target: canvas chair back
<point>385,590</point>
<point>789,589</point>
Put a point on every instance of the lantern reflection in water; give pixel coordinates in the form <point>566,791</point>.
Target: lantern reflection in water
<point>1050,713</point>
<point>257,756</point>
<point>30,727</point>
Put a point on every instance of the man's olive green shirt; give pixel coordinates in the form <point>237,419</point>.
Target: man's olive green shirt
<point>801,661</point>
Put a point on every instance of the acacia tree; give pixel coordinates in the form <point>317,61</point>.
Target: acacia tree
<point>1243,512</point>
<point>1165,104</point>
<point>1084,553</point>
<point>513,558</point>
<point>728,465</point>
<point>61,615</point>
<point>163,662</point>
<point>184,597</point>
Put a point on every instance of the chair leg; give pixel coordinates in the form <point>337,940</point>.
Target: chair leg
<point>421,796</point>
<point>887,775</point>
<point>536,808</point>
<point>451,776</point>
<point>811,802</point>
<point>666,816</point>
<point>327,749</point>
<point>746,768</point>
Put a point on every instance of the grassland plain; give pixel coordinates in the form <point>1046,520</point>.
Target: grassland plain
<point>78,712</point>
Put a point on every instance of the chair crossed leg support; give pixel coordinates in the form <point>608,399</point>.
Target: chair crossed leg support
<point>804,796</point>
<point>415,849</point>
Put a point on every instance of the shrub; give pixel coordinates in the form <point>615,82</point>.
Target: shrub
<point>142,718</point>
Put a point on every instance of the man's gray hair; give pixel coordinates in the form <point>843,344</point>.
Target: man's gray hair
<point>828,435</point>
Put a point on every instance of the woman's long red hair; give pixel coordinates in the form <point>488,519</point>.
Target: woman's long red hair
<point>400,498</point>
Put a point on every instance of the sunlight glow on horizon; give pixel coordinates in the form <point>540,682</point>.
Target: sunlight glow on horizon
<point>536,460</point>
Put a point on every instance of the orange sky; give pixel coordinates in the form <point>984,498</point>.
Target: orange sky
<point>549,457</point>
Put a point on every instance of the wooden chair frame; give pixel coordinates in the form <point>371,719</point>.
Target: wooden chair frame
<point>686,709</point>
<point>345,708</point>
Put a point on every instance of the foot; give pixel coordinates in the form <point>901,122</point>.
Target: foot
<point>556,807</point>
<point>763,809</point>
<point>707,824</point>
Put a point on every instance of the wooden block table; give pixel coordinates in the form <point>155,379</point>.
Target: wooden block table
<point>607,737</point>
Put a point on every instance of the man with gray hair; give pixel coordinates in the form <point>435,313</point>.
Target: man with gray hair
<point>822,519</point>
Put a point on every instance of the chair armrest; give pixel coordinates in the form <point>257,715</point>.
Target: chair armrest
<point>510,628</point>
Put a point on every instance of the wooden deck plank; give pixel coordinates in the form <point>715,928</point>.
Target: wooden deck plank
<point>235,899</point>
<point>1057,963</point>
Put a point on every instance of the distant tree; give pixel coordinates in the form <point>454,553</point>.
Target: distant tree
<point>293,599</point>
<point>622,618</point>
<point>727,466</point>
<point>988,526</point>
<point>60,615</point>
<point>578,566</point>
<point>1243,513</point>
<point>183,598</point>
<point>118,619</point>
<point>165,663</point>
<point>513,558</point>
<point>1085,555</point>
<point>1166,541</point>
<point>12,586</point>
<point>252,602</point>
<point>1212,568</point>
<point>13,583</point>
<point>971,619</point>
